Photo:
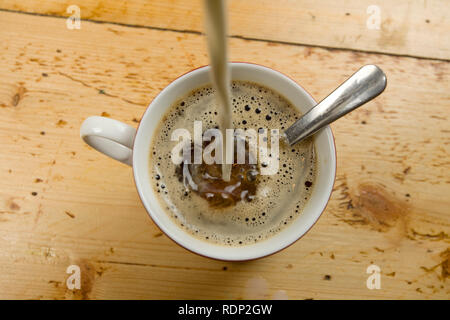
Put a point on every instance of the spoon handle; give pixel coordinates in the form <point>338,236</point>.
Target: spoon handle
<point>364,85</point>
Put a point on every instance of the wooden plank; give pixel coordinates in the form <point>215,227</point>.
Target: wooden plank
<point>61,203</point>
<point>414,28</point>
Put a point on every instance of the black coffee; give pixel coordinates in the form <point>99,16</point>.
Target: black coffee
<point>251,206</point>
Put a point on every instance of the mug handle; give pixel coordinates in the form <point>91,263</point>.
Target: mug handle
<point>110,137</point>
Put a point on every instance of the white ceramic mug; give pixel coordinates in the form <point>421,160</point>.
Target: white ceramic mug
<point>128,145</point>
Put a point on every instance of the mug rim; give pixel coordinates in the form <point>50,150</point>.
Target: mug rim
<point>181,244</point>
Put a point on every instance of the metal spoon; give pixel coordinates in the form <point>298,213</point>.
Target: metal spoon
<point>367,83</point>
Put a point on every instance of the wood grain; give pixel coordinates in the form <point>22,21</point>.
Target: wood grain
<point>414,28</point>
<point>62,203</point>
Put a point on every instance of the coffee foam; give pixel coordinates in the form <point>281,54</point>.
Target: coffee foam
<point>279,198</point>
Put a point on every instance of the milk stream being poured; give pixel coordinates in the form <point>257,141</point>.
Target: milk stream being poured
<point>217,45</point>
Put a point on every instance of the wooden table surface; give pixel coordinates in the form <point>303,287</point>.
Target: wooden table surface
<point>62,203</point>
